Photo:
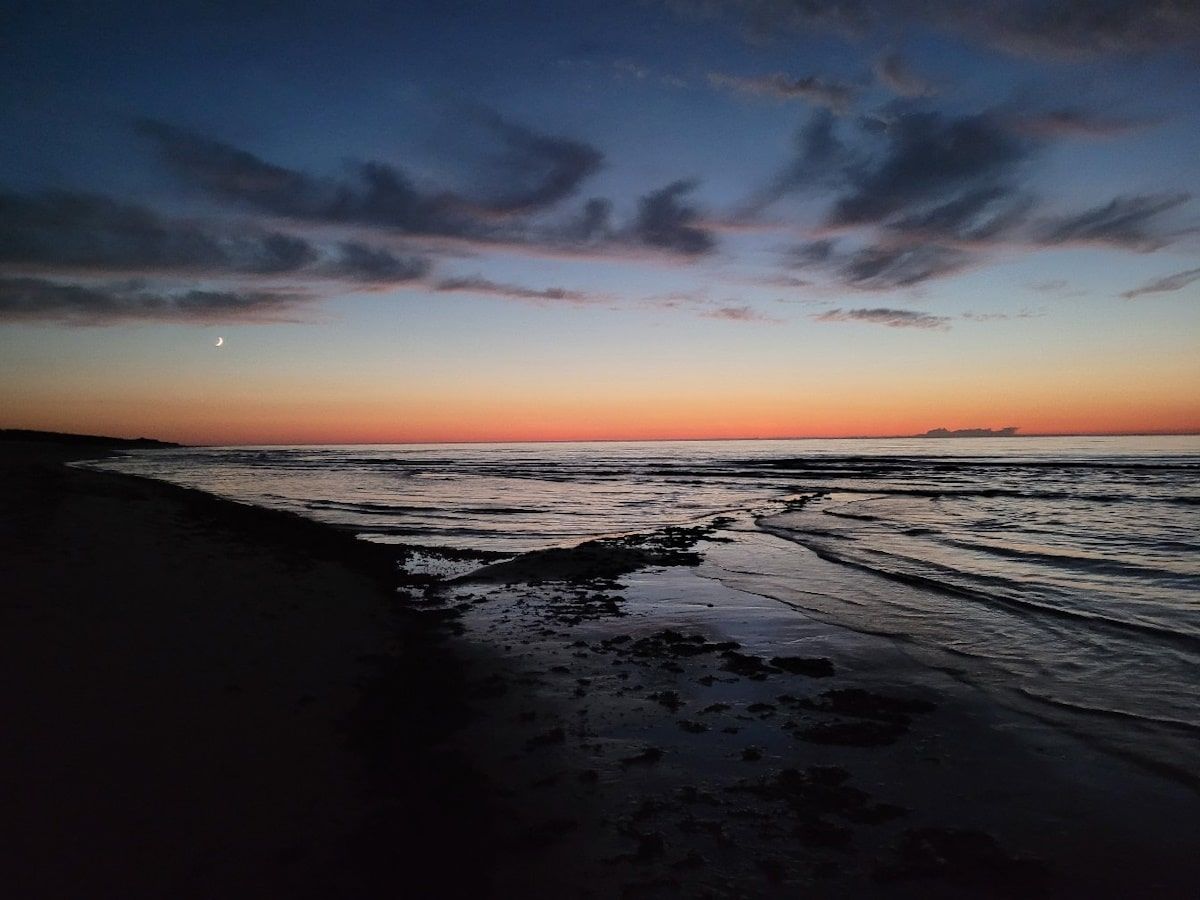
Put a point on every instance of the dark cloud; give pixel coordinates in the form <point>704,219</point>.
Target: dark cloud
<point>41,300</point>
<point>60,231</point>
<point>89,231</point>
<point>893,73</point>
<point>938,193</point>
<point>594,223</point>
<point>532,171</point>
<point>892,318</point>
<point>382,195</point>
<point>536,170</point>
<point>938,189</point>
<point>1129,222</point>
<point>374,264</point>
<point>974,216</point>
<point>1076,29</point>
<point>886,263</point>
<point>1163,285</point>
<point>929,158</point>
<point>236,175</point>
<point>821,160</point>
<point>1062,29</point>
<point>834,95</point>
<point>1074,123</point>
<point>880,267</point>
<point>666,222</point>
<point>812,253</point>
<point>477,285</point>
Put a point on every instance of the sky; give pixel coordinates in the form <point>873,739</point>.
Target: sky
<point>456,221</point>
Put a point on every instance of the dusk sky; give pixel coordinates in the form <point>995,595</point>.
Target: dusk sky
<point>459,221</point>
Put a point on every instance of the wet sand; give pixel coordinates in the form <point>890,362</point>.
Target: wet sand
<point>704,741</point>
<point>212,700</point>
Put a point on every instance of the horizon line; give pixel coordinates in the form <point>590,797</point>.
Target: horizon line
<point>1190,432</point>
<point>1195,432</point>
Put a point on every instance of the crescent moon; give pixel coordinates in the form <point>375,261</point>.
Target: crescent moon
<point>220,342</point>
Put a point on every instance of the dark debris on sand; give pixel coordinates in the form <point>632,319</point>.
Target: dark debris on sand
<point>605,558</point>
<point>801,823</point>
<point>864,719</point>
<point>671,644</point>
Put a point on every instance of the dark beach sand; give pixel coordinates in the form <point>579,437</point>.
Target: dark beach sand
<point>203,699</point>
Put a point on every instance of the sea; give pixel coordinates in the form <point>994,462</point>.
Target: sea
<point>1061,573</point>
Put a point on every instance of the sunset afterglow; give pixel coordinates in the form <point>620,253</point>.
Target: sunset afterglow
<point>531,227</point>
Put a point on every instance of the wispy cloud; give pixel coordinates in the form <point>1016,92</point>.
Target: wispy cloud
<point>937,191</point>
<point>530,172</point>
<point>1002,317</point>
<point>1164,285</point>
<point>820,160</point>
<point>892,318</point>
<point>929,158</point>
<point>479,285</point>
<point>534,170</point>
<point>742,313</point>
<point>533,173</point>
<point>882,268</point>
<point>629,69</point>
<point>60,231</point>
<point>42,300</point>
<point>1129,222</point>
<point>1055,29</point>
<point>375,193</point>
<point>834,95</point>
<point>894,73</point>
<point>939,196</point>
<point>1075,123</point>
<point>1075,29</point>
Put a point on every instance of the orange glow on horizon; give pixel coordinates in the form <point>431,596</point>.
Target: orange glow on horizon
<point>297,405</point>
<point>357,423</point>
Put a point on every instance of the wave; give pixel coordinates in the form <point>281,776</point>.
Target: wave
<point>893,464</point>
<point>1016,604</point>
<point>1139,753</point>
<point>988,493</point>
<point>1108,711</point>
<point>436,511</point>
<point>1078,563</point>
<point>859,517</point>
<point>422,529</point>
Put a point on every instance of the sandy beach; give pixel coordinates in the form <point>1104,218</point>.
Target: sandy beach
<point>207,699</point>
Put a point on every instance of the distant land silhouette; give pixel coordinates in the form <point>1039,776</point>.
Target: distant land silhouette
<point>1010,431</point>
<point>56,437</point>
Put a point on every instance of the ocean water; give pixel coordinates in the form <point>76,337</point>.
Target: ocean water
<point>1065,571</point>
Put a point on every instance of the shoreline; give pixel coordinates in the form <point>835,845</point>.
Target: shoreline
<point>575,735</point>
<point>211,699</point>
<point>987,790</point>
